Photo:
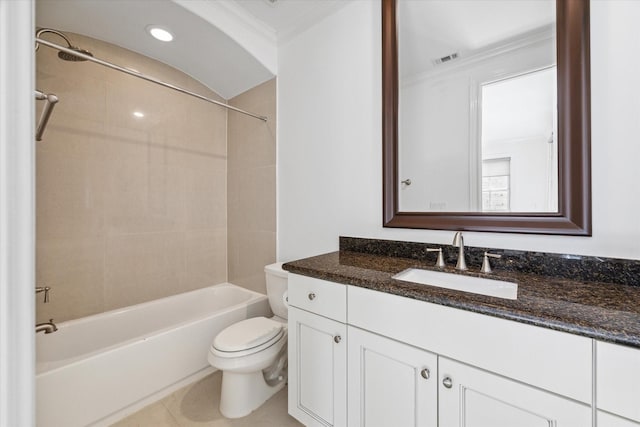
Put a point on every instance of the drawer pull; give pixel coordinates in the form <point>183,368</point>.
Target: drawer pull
<point>447,382</point>
<point>425,373</point>
<point>312,296</point>
<point>337,339</point>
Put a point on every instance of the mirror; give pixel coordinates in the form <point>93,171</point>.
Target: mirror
<point>486,115</point>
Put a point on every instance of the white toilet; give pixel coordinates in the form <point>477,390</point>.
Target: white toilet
<point>252,354</point>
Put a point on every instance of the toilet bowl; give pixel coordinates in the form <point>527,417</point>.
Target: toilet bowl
<point>252,354</point>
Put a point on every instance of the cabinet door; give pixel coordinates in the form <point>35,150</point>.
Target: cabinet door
<point>390,383</point>
<point>618,380</point>
<point>317,369</point>
<point>471,397</point>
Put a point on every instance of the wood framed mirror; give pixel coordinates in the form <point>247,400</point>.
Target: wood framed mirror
<point>572,214</point>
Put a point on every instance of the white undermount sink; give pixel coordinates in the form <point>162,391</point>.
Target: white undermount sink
<point>459,282</point>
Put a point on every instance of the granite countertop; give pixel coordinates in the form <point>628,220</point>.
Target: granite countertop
<point>604,311</point>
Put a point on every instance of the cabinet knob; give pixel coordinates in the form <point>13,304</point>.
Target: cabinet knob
<point>312,296</point>
<point>337,339</point>
<point>425,373</point>
<point>447,382</point>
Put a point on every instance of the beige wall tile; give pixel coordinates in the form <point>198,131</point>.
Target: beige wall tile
<point>205,258</point>
<point>249,252</point>
<point>72,136</point>
<point>69,196</point>
<point>252,143</point>
<point>251,201</point>
<point>205,193</point>
<point>140,198</point>
<point>74,269</point>
<point>142,267</point>
<point>254,199</point>
<point>80,94</point>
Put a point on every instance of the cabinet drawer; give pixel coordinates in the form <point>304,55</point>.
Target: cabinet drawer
<point>318,296</point>
<point>618,380</point>
<point>555,361</point>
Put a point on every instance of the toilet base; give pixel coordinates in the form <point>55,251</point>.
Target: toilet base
<point>243,393</point>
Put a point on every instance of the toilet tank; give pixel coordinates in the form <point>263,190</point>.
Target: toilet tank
<point>277,289</point>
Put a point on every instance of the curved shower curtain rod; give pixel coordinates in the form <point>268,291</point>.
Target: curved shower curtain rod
<point>144,77</point>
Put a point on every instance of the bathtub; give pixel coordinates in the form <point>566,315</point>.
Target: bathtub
<point>98,369</point>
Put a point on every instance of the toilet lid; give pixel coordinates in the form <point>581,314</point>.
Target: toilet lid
<point>247,334</point>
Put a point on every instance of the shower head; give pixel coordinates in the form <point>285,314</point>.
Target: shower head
<point>64,55</point>
<point>74,58</point>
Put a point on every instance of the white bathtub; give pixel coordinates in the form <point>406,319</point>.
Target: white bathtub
<point>98,369</point>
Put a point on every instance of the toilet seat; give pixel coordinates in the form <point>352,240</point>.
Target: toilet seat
<point>247,337</point>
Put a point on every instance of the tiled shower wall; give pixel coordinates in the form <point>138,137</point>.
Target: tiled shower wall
<point>251,206</point>
<point>128,209</point>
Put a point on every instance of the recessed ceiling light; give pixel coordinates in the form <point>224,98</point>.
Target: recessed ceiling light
<point>138,114</point>
<point>160,33</point>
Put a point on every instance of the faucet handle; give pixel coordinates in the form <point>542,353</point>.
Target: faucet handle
<point>44,289</point>
<point>440,260</point>
<point>486,265</point>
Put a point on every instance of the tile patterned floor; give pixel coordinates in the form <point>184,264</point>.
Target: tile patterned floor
<point>197,405</point>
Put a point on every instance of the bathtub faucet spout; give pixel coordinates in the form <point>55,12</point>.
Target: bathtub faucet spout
<point>47,327</point>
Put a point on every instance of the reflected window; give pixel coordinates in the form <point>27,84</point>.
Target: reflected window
<point>496,174</point>
<point>518,128</point>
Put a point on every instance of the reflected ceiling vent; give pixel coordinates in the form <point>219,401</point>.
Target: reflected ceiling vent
<point>447,58</point>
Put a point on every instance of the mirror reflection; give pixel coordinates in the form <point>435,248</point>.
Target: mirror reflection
<point>477,115</point>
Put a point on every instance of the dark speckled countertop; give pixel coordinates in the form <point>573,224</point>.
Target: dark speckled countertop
<point>601,310</point>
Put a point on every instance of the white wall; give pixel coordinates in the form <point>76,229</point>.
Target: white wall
<point>330,155</point>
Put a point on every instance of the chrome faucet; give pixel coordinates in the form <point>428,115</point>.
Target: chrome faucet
<point>47,327</point>
<point>44,289</point>
<point>458,242</point>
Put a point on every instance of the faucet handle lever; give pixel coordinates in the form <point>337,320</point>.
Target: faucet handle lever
<point>486,265</point>
<point>44,289</point>
<point>440,260</point>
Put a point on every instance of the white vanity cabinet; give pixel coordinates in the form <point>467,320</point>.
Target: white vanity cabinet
<point>491,371</point>
<point>364,358</point>
<point>390,383</point>
<point>317,352</point>
<point>617,385</point>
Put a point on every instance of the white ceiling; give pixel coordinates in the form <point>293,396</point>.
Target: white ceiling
<point>432,29</point>
<point>228,45</point>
